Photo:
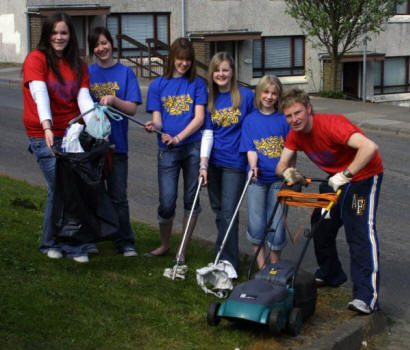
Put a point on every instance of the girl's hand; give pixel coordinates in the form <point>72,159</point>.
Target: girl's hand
<point>169,140</point>
<point>107,100</point>
<point>150,126</point>
<point>254,173</point>
<point>49,138</point>
<point>203,172</point>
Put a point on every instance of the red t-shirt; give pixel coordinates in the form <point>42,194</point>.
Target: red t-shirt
<point>63,98</point>
<point>326,146</point>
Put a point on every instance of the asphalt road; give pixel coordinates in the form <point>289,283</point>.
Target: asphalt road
<point>392,221</point>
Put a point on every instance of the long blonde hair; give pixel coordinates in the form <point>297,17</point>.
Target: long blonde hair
<point>265,82</point>
<point>216,60</point>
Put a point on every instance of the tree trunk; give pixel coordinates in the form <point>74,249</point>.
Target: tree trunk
<point>334,73</point>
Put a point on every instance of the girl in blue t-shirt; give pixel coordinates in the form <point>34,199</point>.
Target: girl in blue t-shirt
<point>116,85</point>
<point>222,166</point>
<point>263,136</point>
<point>177,102</point>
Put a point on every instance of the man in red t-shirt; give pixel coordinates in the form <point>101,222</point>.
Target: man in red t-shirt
<point>353,163</point>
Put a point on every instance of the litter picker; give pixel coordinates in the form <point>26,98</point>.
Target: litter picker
<point>179,271</point>
<point>221,273</point>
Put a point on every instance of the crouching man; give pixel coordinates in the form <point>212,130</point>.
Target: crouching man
<point>353,163</point>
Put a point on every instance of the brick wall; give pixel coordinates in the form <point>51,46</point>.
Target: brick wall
<point>35,30</point>
<point>202,54</point>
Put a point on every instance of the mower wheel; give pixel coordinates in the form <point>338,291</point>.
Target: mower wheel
<point>295,321</point>
<point>276,321</point>
<point>212,315</point>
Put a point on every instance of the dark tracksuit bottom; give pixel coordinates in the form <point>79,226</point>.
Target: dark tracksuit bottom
<point>356,210</point>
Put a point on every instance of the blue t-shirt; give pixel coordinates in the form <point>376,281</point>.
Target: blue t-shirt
<point>175,99</point>
<point>265,134</point>
<point>117,80</point>
<point>226,125</point>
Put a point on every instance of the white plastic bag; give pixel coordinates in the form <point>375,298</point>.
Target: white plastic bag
<point>71,142</point>
<point>220,276</point>
<point>99,125</point>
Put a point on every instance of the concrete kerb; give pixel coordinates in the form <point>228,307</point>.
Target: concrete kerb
<point>352,334</point>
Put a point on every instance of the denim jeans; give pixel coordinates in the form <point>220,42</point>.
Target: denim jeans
<point>117,190</point>
<point>261,202</point>
<point>47,164</point>
<point>170,162</point>
<point>225,185</point>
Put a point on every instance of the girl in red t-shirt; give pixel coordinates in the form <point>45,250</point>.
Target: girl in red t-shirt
<point>55,90</point>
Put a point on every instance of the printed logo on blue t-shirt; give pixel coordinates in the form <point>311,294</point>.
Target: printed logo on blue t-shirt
<point>270,147</point>
<point>66,92</point>
<point>176,105</point>
<point>226,117</point>
<point>99,90</point>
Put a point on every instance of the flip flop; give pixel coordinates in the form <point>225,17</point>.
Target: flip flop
<point>152,255</point>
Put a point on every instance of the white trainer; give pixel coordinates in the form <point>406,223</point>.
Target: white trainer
<point>81,259</point>
<point>359,306</point>
<point>129,252</point>
<point>54,254</point>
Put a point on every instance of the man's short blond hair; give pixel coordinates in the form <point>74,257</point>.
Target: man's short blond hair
<point>292,96</point>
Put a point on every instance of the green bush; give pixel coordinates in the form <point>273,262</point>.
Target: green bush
<point>333,94</point>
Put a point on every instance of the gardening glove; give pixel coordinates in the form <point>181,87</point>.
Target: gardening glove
<point>338,180</point>
<point>293,176</point>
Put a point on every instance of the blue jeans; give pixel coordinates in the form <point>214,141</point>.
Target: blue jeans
<point>261,202</point>
<point>225,185</point>
<point>170,162</point>
<point>47,164</point>
<point>117,190</point>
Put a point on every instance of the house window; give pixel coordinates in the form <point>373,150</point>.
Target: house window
<point>139,27</point>
<point>280,56</point>
<point>403,8</point>
<point>392,75</point>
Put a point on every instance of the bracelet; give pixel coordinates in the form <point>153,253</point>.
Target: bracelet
<point>47,128</point>
<point>177,138</point>
<point>204,164</point>
<point>206,169</point>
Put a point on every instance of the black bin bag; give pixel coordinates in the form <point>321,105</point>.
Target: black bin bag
<point>82,210</point>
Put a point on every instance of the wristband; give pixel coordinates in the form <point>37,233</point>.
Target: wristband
<point>206,169</point>
<point>204,164</point>
<point>48,128</point>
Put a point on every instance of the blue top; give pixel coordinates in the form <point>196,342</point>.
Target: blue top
<point>117,80</point>
<point>226,125</point>
<point>265,134</point>
<point>175,99</point>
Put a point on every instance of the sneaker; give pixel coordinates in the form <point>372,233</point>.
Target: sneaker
<point>93,250</point>
<point>54,254</point>
<point>81,259</point>
<point>129,252</point>
<point>359,306</point>
<point>320,282</point>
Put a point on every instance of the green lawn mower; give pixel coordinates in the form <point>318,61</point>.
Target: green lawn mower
<point>281,296</point>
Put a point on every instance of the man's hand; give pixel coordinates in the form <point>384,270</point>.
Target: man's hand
<point>338,180</point>
<point>293,176</point>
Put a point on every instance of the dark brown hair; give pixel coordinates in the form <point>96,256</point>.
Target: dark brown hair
<point>71,52</point>
<point>181,48</point>
<point>95,35</point>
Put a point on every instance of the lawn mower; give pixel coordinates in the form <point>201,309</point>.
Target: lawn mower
<point>281,296</point>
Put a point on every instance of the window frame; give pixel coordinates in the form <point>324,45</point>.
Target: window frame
<point>155,15</point>
<point>383,87</point>
<point>407,9</point>
<point>268,70</point>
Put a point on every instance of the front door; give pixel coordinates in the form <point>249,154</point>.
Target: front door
<point>351,78</point>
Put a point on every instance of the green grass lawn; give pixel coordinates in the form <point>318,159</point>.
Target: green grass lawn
<point>115,302</point>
